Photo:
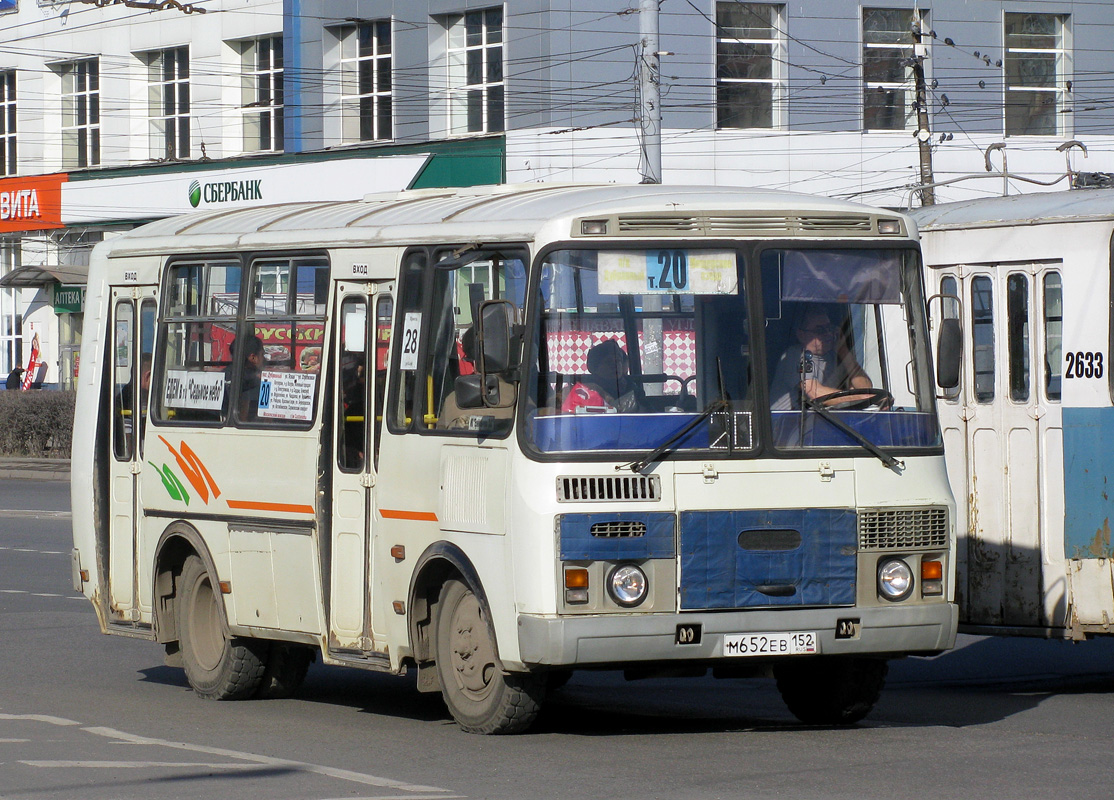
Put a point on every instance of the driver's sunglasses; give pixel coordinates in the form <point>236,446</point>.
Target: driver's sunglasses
<point>820,330</point>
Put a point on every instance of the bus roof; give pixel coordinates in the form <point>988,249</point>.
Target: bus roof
<point>1034,209</point>
<point>503,211</point>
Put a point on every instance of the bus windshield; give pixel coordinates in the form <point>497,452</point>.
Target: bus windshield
<point>638,349</point>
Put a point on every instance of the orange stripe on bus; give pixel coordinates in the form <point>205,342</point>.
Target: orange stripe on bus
<point>251,505</point>
<point>421,516</point>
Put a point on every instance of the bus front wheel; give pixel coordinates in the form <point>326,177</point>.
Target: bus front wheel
<point>480,696</point>
<point>218,668</point>
<point>830,690</point>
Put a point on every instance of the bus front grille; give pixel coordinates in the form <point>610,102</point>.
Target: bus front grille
<point>900,528</point>
<point>604,488</point>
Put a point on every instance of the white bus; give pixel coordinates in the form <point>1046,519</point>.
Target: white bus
<point>495,435</point>
<point>1029,431</point>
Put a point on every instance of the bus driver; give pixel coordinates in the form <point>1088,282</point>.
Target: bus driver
<point>816,366</point>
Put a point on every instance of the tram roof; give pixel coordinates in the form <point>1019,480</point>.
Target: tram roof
<point>1034,208</point>
<point>503,211</point>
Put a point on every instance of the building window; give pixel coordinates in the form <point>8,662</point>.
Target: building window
<point>750,65</point>
<point>888,91</point>
<point>365,68</point>
<point>81,114</point>
<point>168,103</point>
<point>7,124</point>
<point>261,93</point>
<point>1037,71</point>
<point>475,54</point>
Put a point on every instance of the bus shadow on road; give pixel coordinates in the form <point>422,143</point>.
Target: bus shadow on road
<point>984,680</point>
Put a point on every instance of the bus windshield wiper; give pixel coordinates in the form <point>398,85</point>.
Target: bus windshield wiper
<point>719,404</point>
<point>870,446</point>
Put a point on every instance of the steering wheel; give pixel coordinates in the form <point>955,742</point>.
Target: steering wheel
<point>874,397</point>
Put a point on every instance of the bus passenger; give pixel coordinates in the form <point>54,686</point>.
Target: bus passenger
<point>816,366</point>
<point>609,386</point>
<point>250,348</point>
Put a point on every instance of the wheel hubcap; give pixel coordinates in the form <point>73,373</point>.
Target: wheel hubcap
<point>473,657</point>
<point>204,626</point>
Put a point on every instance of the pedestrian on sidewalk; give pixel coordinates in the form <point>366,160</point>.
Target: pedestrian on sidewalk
<point>15,379</point>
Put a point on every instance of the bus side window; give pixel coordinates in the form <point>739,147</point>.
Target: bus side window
<point>147,317</point>
<point>278,354</point>
<point>384,314</point>
<point>199,307</point>
<point>410,322</point>
<point>950,310</point>
<point>1053,334</point>
<point>1017,318</point>
<point>982,333</point>
<point>124,389</point>
<point>353,384</point>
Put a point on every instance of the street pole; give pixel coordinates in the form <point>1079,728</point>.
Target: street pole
<point>649,92</point>
<point>924,135</point>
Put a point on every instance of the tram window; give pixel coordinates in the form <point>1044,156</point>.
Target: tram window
<point>1053,334</point>
<point>982,330</point>
<point>950,310</point>
<point>1017,313</point>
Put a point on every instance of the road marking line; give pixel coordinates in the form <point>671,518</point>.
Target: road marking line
<point>133,764</point>
<point>44,594</point>
<point>34,513</point>
<point>13,591</point>
<point>331,772</point>
<point>14,741</point>
<point>39,718</point>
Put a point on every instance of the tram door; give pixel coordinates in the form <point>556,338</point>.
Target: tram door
<point>363,335</point>
<point>133,334</point>
<point>1003,430</point>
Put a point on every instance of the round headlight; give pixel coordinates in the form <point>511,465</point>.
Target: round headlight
<point>627,585</point>
<point>895,579</point>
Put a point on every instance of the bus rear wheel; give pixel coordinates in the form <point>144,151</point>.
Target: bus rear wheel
<point>480,696</point>
<point>830,690</point>
<point>217,668</point>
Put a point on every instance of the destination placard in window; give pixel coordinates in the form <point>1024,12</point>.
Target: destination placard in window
<point>668,271</point>
<point>286,395</point>
<point>203,390</point>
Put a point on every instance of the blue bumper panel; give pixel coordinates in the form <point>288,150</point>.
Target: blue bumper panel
<point>578,543</point>
<point>810,560</point>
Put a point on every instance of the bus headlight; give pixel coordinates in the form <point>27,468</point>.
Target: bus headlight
<point>627,585</point>
<point>895,579</point>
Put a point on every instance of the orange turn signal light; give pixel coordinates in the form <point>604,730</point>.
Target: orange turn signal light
<point>576,578</point>
<point>932,571</point>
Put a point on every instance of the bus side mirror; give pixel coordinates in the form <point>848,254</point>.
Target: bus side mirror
<point>949,354</point>
<point>495,336</point>
<point>477,391</point>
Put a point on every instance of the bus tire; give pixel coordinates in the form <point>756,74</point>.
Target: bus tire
<point>287,665</point>
<point>830,690</point>
<point>480,696</point>
<point>217,668</point>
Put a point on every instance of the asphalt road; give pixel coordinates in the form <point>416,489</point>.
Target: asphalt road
<point>88,716</point>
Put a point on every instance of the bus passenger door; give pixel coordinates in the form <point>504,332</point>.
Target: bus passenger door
<point>363,326</point>
<point>133,332</point>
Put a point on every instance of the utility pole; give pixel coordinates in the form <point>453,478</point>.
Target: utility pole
<point>924,135</point>
<point>649,92</point>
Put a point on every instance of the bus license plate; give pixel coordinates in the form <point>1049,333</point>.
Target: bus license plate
<point>770,644</point>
